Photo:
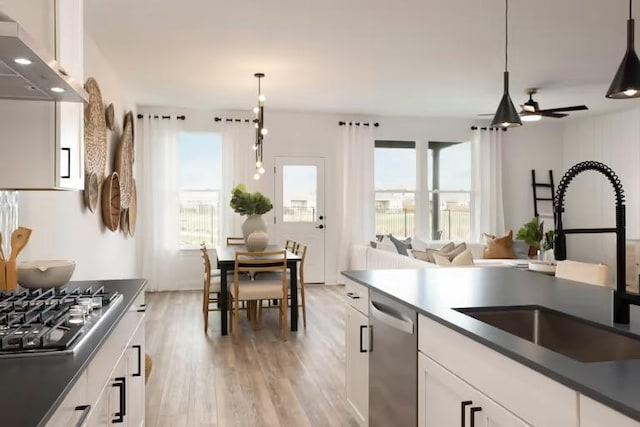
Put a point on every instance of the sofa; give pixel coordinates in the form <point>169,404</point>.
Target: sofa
<point>365,257</point>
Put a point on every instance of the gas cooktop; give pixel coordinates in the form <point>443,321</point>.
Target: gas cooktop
<point>52,321</point>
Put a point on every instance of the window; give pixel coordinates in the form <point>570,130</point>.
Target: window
<point>299,193</point>
<point>395,184</point>
<point>447,195</point>
<point>199,183</point>
<point>449,187</point>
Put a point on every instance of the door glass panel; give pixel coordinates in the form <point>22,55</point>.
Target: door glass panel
<point>299,193</point>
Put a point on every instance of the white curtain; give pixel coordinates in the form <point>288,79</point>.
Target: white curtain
<point>487,181</point>
<point>238,167</point>
<point>356,152</point>
<point>158,202</point>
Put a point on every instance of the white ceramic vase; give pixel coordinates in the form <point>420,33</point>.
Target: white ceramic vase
<point>253,223</point>
<point>257,241</point>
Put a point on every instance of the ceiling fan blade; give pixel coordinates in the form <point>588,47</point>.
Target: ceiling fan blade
<point>562,109</point>
<point>547,113</point>
<point>528,108</point>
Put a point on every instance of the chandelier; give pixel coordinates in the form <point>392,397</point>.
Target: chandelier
<point>261,131</point>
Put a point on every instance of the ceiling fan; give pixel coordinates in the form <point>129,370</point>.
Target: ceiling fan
<point>532,112</point>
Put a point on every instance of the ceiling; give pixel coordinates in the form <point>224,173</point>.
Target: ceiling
<point>441,58</point>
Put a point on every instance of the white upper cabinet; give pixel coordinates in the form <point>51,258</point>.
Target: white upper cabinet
<point>42,145</point>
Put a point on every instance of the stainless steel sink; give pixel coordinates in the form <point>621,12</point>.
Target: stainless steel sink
<point>573,337</point>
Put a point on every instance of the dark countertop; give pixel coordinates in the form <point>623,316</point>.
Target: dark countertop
<point>34,387</point>
<point>434,292</point>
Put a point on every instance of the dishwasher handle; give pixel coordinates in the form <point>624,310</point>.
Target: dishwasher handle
<point>391,317</point>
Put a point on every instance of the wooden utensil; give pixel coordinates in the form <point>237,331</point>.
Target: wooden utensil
<point>19,239</point>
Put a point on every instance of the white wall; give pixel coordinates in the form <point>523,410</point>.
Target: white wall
<point>533,146</point>
<point>62,227</point>
<point>612,139</point>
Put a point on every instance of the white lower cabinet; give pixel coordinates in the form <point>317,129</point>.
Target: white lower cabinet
<point>356,348</point>
<point>111,390</point>
<point>594,414</point>
<point>499,381</point>
<point>446,400</point>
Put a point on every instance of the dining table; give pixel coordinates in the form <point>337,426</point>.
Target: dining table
<point>226,255</point>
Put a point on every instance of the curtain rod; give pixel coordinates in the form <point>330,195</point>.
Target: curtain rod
<point>155,116</point>
<point>489,128</point>
<point>230,120</point>
<point>341,123</point>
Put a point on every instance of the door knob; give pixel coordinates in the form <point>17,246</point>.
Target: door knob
<point>321,226</point>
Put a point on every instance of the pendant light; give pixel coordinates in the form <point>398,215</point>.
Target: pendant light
<point>506,115</point>
<point>626,82</point>
<point>261,131</point>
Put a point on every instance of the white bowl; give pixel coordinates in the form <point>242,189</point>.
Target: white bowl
<point>45,273</point>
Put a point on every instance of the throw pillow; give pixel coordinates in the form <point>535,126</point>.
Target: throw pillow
<point>448,247</point>
<point>401,245</point>
<point>521,249</point>
<point>463,258</point>
<point>426,255</point>
<point>449,251</point>
<point>373,244</point>
<point>457,250</point>
<point>499,247</point>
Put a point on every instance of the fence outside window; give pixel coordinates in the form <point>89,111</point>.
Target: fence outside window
<point>454,224</point>
<point>198,218</point>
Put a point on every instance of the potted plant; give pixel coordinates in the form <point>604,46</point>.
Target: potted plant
<point>253,205</point>
<point>547,245</point>
<point>532,233</point>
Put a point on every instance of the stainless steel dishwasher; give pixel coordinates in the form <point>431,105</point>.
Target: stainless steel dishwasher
<point>393,363</point>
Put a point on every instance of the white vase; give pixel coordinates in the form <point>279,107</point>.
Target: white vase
<point>253,223</point>
<point>257,241</point>
<point>548,255</point>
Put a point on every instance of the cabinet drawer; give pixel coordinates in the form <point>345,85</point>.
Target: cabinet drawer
<point>67,414</point>
<point>534,397</point>
<point>357,296</point>
<point>102,365</point>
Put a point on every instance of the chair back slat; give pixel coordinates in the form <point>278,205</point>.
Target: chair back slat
<point>301,251</point>
<point>291,246</point>
<point>235,241</point>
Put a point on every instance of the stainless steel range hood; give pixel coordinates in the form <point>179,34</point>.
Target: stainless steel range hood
<point>39,77</point>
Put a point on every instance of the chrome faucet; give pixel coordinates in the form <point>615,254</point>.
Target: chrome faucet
<point>622,299</point>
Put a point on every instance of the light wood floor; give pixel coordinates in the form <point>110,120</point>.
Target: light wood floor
<point>206,380</point>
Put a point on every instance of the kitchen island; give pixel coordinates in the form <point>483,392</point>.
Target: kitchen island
<point>40,390</point>
<point>470,348</point>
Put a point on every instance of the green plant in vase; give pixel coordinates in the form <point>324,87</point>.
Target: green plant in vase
<point>253,205</point>
<point>532,233</point>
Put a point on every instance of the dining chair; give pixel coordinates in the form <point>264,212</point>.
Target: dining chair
<point>291,246</point>
<point>211,285</point>
<point>257,290</point>
<point>235,241</point>
<point>593,274</point>
<point>301,251</point>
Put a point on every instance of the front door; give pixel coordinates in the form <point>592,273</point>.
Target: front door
<point>300,209</point>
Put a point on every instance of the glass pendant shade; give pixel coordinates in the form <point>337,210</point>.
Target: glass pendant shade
<point>506,115</point>
<point>626,82</point>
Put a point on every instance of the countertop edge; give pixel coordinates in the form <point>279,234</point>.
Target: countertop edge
<point>576,386</point>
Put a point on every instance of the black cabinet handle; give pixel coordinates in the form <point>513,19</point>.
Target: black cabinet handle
<point>353,295</point>
<point>85,413</point>
<point>121,383</point>
<point>139,348</point>
<point>473,414</point>
<point>68,150</point>
<point>463,411</point>
<point>142,308</point>
<point>362,349</point>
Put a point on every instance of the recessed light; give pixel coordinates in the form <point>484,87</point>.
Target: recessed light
<point>57,89</point>
<point>22,61</point>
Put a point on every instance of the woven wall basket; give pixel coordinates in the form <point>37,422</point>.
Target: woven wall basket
<point>95,132</point>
